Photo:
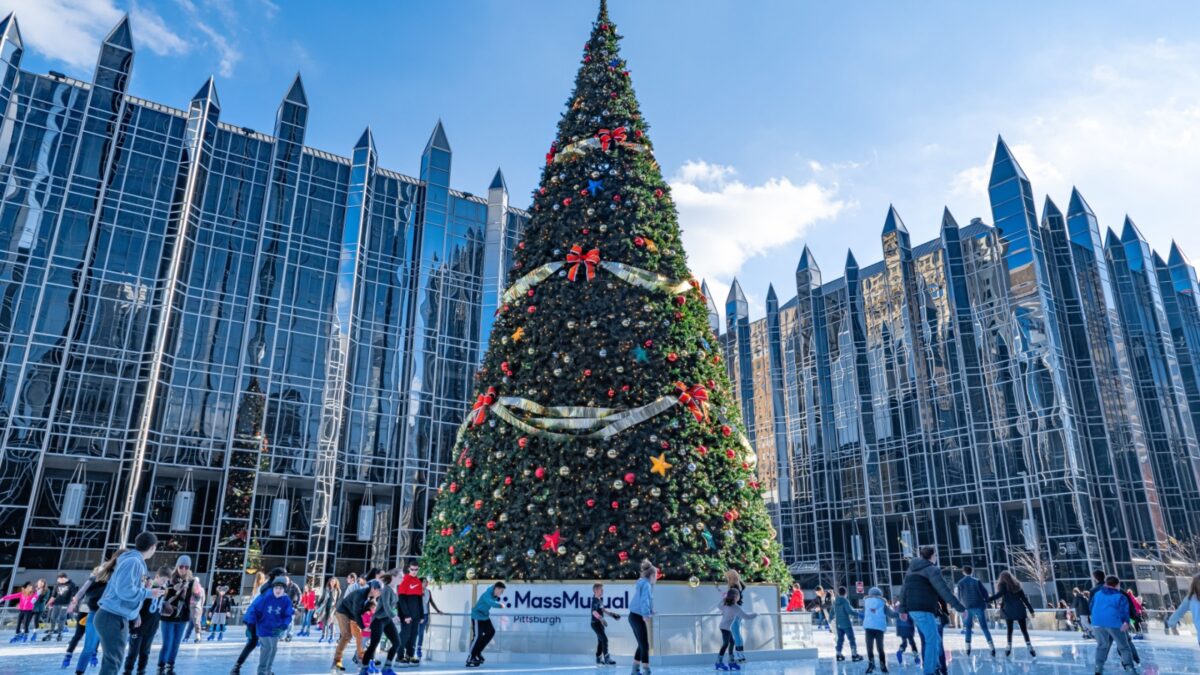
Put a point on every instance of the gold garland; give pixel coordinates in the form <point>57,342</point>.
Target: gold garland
<point>633,275</point>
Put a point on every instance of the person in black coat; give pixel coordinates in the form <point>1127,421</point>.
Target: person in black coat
<point>1014,603</point>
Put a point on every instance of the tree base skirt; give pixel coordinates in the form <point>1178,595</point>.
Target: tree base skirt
<point>551,621</point>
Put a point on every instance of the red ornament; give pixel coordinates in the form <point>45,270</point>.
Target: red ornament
<point>508,480</point>
<point>585,230</point>
<point>529,292</point>
<point>655,527</point>
<point>623,556</point>
<point>672,357</point>
<point>583,193</point>
<point>624,387</point>
<point>453,560</point>
<point>587,372</point>
<point>657,193</point>
<point>648,344</point>
<point>613,95</point>
<point>701,449</point>
<point>612,529</point>
<point>679,316</point>
<point>491,524</point>
<point>604,27</point>
<point>726,430</point>
<point>729,453</point>
<point>451,549</point>
<point>629,478</point>
<point>729,516</point>
<point>611,393</point>
<point>468,463</point>
<point>616,198</point>
<point>765,562</point>
<point>716,358</point>
<point>616,505</point>
<point>638,133</point>
<point>454,487</point>
<point>521,244</point>
<point>531,309</point>
<point>711,384</point>
<point>551,540</point>
<point>587,58</point>
<point>664,445</point>
<point>679,300</point>
<point>591,503</point>
<point>522,441</point>
<point>745,466</point>
<point>639,241</point>
<point>754,484</point>
<point>567,201</point>
<point>540,473</point>
<point>478,504</point>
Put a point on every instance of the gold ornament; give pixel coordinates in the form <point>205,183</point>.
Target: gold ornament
<point>518,334</point>
<point>470,572</point>
<point>659,465</point>
<point>580,559</point>
<point>694,581</point>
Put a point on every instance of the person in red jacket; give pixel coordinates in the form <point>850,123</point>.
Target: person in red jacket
<point>411,609</point>
<point>796,599</point>
<point>308,603</point>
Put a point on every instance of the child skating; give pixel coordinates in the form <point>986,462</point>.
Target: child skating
<point>906,630</point>
<point>272,615</point>
<point>25,601</point>
<point>842,613</point>
<point>730,611</point>
<point>874,617</point>
<point>218,614</point>
<point>598,624</point>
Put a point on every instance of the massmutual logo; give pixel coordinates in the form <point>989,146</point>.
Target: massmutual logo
<point>581,600</point>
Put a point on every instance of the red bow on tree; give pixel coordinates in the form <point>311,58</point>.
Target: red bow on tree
<point>607,136</point>
<point>482,403</point>
<point>576,256</point>
<point>695,398</point>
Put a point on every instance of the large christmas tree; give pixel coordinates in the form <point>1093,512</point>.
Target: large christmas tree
<point>605,430</point>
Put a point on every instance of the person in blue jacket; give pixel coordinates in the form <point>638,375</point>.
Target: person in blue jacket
<point>271,614</point>
<point>481,622</point>
<point>974,596</point>
<point>641,607</point>
<point>1110,623</point>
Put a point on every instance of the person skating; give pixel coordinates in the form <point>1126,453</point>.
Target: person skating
<point>1014,603</point>
<point>1190,603</point>
<point>176,612</point>
<point>1136,616</point>
<point>294,593</point>
<point>874,617</point>
<point>411,611</point>
<point>923,585</point>
<point>795,601</point>
<point>427,604</point>
<point>121,602</point>
<point>733,580</point>
<point>87,601</point>
<point>41,594</point>
<point>308,604</point>
<point>1111,624</point>
<point>143,629</point>
<point>218,614</point>
<point>974,596</point>
<point>326,605</point>
<point>597,613</point>
<point>731,611</point>
<point>383,625</point>
<point>348,613</point>
<point>843,620</point>
<point>64,591</point>
<point>906,630</point>
<point>481,622</point>
<point>25,600</point>
<point>271,614</point>
<point>641,607</point>
<point>263,586</point>
<point>196,611</point>
<point>1082,606</point>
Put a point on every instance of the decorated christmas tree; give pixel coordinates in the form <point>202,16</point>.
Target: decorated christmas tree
<point>604,429</point>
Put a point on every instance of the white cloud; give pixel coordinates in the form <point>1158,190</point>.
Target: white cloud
<point>70,31</point>
<point>1124,127</point>
<point>726,222</point>
<point>228,53</point>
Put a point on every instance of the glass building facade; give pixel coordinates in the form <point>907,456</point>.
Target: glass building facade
<point>1021,395</point>
<point>258,350</point>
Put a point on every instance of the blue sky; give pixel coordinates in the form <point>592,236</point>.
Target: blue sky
<point>779,123</point>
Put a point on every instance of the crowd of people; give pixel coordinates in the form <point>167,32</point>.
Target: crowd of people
<point>121,608</point>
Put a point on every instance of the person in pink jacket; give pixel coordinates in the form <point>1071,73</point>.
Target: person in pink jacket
<point>26,599</point>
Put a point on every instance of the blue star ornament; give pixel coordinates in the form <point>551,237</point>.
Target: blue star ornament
<point>595,186</point>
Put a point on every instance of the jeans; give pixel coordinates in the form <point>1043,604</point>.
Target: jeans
<point>843,633</point>
<point>642,635</point>
<point>347,630</point>
<point>113,631</point>
<point>306,623</point>
<point>972,615</point>
<point>601,638</point>
<point>91,640</point>
<point>1105,637</point>
<point>172,635</point>
<point>266,654</point>
<point>927,625</point>
<point>58,619</point>
<point>736,629</point>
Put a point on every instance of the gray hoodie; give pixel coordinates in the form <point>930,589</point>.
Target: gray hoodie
<point>730,613</point>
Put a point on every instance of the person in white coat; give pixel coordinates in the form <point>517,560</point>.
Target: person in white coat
<point>875,621</point>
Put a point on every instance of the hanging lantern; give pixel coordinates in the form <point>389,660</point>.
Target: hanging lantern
<point>365,530</point>
<point>1029,532</point>
<point>185,502</point>
<point>856,546</point>
<point>964,535</point>
<point>281,511</point>
<point>73,497</point>
<point>906,543</point>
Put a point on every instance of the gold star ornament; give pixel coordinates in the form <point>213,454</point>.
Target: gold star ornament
<point>659,465</point>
